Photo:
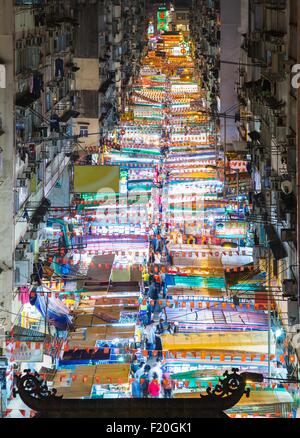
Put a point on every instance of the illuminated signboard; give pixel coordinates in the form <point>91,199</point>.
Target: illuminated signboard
<point>162,19</point>
<point>93,179</point>
<point>150,29</point>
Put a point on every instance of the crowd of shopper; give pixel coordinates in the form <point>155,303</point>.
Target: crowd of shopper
<point>150,382</point>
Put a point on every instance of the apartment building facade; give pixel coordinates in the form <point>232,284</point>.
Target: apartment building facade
<point>66,70</point>
<point>267,98</point>
<point>247,53</point>
<point>37,108</point>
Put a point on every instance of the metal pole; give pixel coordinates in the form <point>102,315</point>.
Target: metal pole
<point>225,135</point>
<point>269,314</point>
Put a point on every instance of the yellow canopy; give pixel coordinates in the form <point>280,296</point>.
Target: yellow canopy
<point>255,342</point>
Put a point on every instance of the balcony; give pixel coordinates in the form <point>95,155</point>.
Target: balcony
<point>24,100</point>
<point>278,5</point>
<point>275,37</point>
<point>56,20</point>
<point>105,86</point>
<point>272,102</point>
<point>69,114</point>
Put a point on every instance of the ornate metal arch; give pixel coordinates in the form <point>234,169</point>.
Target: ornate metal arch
<point>34,392</point>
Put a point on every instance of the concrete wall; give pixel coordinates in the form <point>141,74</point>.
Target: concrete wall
<point>230,51</point>
<point>87,78</point>
<point>93,127</point>
<point>7,143</point>
<point>24,21</point>
<point>86,45</point>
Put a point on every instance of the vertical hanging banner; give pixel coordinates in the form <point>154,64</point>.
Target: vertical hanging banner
<point>162,19</point>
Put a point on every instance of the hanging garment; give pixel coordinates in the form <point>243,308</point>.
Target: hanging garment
<point>24,294</point>
<point>37,85</point>
<point>39,20</point>
<point>54,123</point>
<point>59,67</point>
<point>30,81</point>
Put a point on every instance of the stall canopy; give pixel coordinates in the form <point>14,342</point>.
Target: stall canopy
<point>78,381</point>
<point>256,342</point>
<point>99,271</point>
<point>87,337</point>
<point>54,311</point>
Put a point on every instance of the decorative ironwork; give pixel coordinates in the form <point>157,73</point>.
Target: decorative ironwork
<point>32,385</point>
<point>228,386</point>
<point>231,387</point>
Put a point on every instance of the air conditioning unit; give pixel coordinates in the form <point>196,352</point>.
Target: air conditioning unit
<point>289,288</point>
<point>20,44</point>
<point>27,235</point>
<point>293,312</point>
<point>28,172</point>
<point>291,140</point>
<point>21,182</point>
<point>256,36</point>
<point>280,48</point>
<point>2,335</point>
<point>281,134</point>
<point>275,184</point>
<point>34,235</point>
<point>45,154</point>
<point>19,254</point>
<point>23,270</point>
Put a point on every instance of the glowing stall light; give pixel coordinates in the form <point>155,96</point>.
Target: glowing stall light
<point>210,283</point>
<point>180,105</point>
<point>231,229</point>
<point>122,158</point>
<point>184,88</point>
<point>140,151</point>
<point>150,29</point>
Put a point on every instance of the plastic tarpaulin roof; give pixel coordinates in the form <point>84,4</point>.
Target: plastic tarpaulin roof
<point>54,311</point>
<point>254,342</point>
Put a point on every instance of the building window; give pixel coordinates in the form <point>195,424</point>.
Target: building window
<point>83,131</point>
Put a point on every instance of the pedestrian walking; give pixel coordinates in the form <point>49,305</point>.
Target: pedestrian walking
<point>154,387</point>
<point>167,385</point>
<point>150,338</point>
<point>144,381</point>
<point>140,370</point>
<point>136,389</point>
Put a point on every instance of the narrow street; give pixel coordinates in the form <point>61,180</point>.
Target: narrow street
<point>152,282</point>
